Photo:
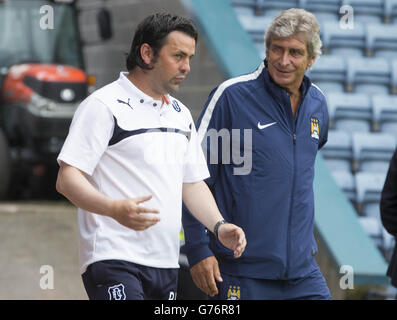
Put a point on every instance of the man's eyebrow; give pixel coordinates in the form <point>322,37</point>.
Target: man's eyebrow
<point>297,49</point>
<point>184,53</point>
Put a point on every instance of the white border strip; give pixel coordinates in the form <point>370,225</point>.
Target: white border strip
<point>210,108</point>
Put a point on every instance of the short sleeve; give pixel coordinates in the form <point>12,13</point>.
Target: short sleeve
<point>89,134</point>
<point>195,166</point>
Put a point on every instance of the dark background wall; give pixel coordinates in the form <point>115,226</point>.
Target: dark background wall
<point>106,59</point>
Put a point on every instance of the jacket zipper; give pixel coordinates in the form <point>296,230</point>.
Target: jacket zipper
<point>290,209</point>
<point>294,125</point>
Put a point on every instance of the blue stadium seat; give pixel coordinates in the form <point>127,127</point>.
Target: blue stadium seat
<point>261,6</point>
<point>390,11</point>
<point>255,26</point>
<point>381,40</point>
<point>243,11</point>
<point>338,152</point>
<point>343,42</point>
<point>368,75</point>
<point>320,5</point>
<point>272,13</point>
<point>261,49</point>
<point>324,10</point>
<point>394,76</point>
<point>345,180</point>
<point>329,73</point>
<point>350,112</point>
<point>373,228</point>
<point>369,188</point>
<point>372,151</point>
<point>366,10</point>
<point>385,113</point>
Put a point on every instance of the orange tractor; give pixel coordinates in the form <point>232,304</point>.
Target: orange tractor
<point>42,81</point>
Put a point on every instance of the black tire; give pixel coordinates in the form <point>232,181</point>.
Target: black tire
<point>5,166</point>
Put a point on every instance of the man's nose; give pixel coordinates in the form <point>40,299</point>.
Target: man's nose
<point>185,67</point>
<point>284,61</point>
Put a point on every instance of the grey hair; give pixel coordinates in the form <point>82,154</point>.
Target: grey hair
<point>293,21</point>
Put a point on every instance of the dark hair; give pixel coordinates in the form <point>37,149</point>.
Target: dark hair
<point>153,30</point>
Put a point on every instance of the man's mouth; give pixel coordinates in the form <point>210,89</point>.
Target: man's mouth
<point>283,71</point>
<point>179,78</point>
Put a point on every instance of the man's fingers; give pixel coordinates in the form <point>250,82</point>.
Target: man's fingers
<point>141,209</point>
<point>210,279</point>
<point>146,220</point>
<point>241,243</point>
<point>143,225</point>
<point>238,252</point>
<point>142,199</point>
<point>211,285</point>
<point>141,221</point>
<point>204,274</point>
<point>200,282</point>
<point>217,273</point>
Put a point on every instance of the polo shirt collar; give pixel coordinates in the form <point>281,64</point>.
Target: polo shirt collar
<point>142,97</point>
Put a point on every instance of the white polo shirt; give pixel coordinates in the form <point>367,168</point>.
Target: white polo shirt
<point>131,145</point>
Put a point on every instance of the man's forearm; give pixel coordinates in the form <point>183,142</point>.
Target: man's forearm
<point>199,200</point>
<point>77,189</point>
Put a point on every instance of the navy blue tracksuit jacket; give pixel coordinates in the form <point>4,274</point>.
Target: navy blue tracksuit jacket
<point>271,198</point>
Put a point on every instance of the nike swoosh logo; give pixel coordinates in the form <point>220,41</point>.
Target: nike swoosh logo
<point>265,125</point>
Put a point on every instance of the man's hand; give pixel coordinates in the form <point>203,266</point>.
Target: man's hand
<point>204,275</point>
<point>233,238</point>
<point>131,214</point>
<point>73,184</point>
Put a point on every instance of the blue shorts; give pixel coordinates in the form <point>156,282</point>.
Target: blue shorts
<point>312,287</point>
<point>122,280</point>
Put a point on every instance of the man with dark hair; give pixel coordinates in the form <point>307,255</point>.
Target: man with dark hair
<point>131,142</point>
<point>152,31</point>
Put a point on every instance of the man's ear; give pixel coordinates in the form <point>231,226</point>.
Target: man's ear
<point>311,61</point>
<point>147,53</point>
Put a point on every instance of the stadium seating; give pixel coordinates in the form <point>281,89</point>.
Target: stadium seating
<point>369,187</point>
<point>260,6</point>
<point>383,240</point>
<point>381,40</point>
<point>390,11</point>
<point>368,75</point>
<point>343,42</point>
<point>345,180</point>
<point>329,73</point>
<point>385,113</point>
<point>366,10</point>
<point>372,151</point>
<point>394,76</point>
<point>338,151</point>
<point>350,111</point>
<point>373,228</point>
<point>320,5</point>
<point>255,26</point>
<point>325,10</point>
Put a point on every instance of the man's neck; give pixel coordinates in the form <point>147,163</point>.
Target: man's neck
<point>295,101</point>
<point>293,91</point>
<point>140,79</point>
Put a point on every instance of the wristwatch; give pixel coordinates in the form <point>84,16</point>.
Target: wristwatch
<point>217,225</point>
